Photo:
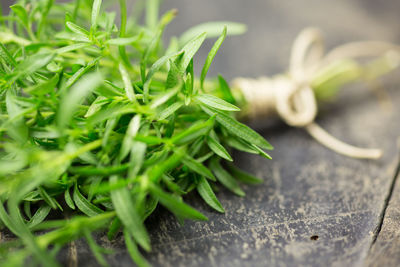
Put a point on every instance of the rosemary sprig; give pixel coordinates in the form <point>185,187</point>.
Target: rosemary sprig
<point>102,123</point>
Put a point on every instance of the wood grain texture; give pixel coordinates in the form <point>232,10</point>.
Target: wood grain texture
<point>385,249</point>
<point>315,207</point>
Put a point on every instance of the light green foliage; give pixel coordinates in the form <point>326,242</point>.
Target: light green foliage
<point>99,121</point>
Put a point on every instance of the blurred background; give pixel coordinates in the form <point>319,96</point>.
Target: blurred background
<point>273,25</point>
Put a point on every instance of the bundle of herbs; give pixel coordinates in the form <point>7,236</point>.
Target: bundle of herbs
<point>101,123</point>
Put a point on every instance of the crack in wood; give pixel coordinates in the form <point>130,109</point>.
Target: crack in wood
<point>386,202</point>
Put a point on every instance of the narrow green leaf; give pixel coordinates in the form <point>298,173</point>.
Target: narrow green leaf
<point>150,206</point>
<point>161,99</point>
<point>174,205</point>
<point>75,96</point>
<point>170,127</point>
<point>122,31</point>
<point>194,131</point>
<point>154,68</point>
<point>196,146</point>
<point>84,205</point>
<point>130,93</point>
<point>261,152</point>
<point>168,111</point>
<point>6,220</point>
<point>170,163</point>
<point>215,102</point>
<point>189,84</point>
<point>205,191</point>
<point>128,214</point>
<point>39,216</point>
<point>96,106</point>
<point>76,29</point>
<point>68,199</point>
<point>167,18</point>
<point>21,13</point>
<point>47,198</point>
<point>211,56</point>
<point>94,184</point>
<point>156,157</point>
<point>168,180</point>
<point>32,64</point>
<point>218,149</point>
<point>225,178</point>
<point>159,63</point>
<point>190,50</point>
<point>133,128</point>
<point>244,177</point>
<point>152,13</point>
<point>112,112</point>
<point>242,145</point>
<point>95,13</point>
<point>150,140</point>
<point>226,91</point>
<point>17,129</point>
<point>44,87</point>
<point>138,150</point>
<point>197,167</point>
<point>71,36</point>
<point>71,81</point>
<point>134,251</point>
<point>188,89</point>
<point>114,228</point>
<point>123,41</point>
<point>110,124</point>
<point>7,57</point>
<point>27,211</point>
<point>174,77</point>
<point>238,129</point>
<point>70,48</point>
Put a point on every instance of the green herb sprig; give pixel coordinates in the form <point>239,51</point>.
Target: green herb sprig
<point>102,123</point>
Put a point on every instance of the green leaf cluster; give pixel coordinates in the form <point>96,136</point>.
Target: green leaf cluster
<point>101,122</point>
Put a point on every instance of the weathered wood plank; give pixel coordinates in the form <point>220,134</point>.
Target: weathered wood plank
<point>315,207</point>
<point>385,249</point>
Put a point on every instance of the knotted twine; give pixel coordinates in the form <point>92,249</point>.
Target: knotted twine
<point>292,97</point>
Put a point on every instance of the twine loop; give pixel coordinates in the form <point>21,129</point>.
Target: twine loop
<point>291,95</point>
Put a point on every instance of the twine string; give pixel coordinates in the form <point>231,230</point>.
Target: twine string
<point>292,97</point>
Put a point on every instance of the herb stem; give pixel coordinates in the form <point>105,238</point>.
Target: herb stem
<point>99,171</point>
<point>122,32</point>
<point>86,148</point>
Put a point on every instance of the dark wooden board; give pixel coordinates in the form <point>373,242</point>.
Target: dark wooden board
<point>308,191</point>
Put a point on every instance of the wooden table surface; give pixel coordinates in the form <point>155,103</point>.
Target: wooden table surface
<point>315,208</point>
